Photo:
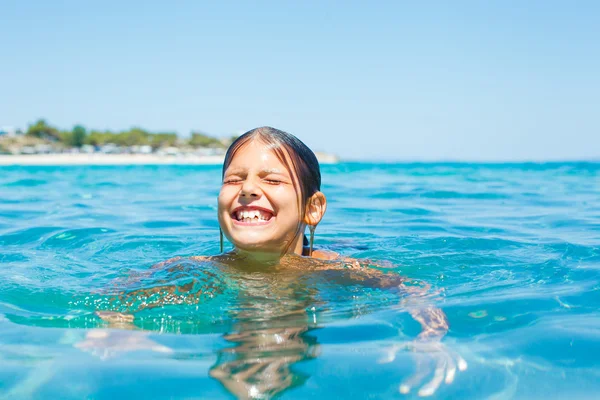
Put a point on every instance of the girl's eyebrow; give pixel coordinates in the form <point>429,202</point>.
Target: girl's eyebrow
<point>272,171</point>
<point>234,170</point>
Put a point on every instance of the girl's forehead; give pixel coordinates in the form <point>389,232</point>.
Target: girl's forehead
<point>257,154</point>
<point>261,157</point>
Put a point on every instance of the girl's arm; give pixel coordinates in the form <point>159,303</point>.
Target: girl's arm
<point>427,347</point>
<point>105,343</point>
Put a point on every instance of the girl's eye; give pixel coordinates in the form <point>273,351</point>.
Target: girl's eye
<point>273,181</point>
<point>226,181</point>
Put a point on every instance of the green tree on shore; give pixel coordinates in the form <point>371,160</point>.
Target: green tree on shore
<point>99,138</point>
<point>42,130</point>
<point>158,140</point>
<point>78,136</point>
<point>199,139</point>
<point>135,136</point>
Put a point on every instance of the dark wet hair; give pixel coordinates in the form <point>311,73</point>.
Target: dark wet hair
<point>303,165</point>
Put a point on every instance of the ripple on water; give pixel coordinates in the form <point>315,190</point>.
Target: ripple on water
<point>163,224</point>
<point>18,200</point>
<point>140,248</point>
<point>446,194</point>
<point>412,211</point>
<point>550,340</point>
<point>13,258</point>
<point>574,251</point>
<point>104,185</point>
<point>21,214</point>
<point>390,195</point>
<point>358,332</point>
<point>26,183</point>
<point>74,238</point>
<point>28,235</point>
<point>454,243</point>
<point>81,205</point>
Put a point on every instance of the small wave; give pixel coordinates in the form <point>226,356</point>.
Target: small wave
<point>28,235</point>
<point>74,238</point>
<point>446,194</point>
<point>26,183</point>
<point>163,224</point>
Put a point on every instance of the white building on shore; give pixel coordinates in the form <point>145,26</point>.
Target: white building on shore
<point>10,131</point>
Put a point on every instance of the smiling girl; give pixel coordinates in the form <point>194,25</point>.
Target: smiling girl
<point>269,195</point>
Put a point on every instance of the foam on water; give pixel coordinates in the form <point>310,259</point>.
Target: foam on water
<point>512,253</point>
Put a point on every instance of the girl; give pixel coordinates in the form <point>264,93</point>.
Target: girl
<point>270,194</point>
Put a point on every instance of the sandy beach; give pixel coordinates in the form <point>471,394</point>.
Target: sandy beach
<point>107,159</point>
<point>124,159</point>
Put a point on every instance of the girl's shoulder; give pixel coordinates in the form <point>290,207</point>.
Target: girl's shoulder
<point>349,262</point>
<point>325,255</point>
<point>201,258</point>
<point>172,262</point>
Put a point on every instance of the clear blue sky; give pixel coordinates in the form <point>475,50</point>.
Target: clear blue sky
<point>435,80</point>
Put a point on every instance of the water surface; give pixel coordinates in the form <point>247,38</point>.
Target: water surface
<point>511,251</point>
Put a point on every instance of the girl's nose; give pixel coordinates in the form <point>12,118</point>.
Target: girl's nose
<point>249,189</point>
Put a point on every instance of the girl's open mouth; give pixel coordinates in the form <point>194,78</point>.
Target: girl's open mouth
<point>251,216</point>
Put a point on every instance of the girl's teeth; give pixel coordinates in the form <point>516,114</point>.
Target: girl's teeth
<point>251,216</point>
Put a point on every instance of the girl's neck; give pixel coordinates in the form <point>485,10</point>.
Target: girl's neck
<point>269,258</point>
<point>256,257</point>
<point>262,258</point>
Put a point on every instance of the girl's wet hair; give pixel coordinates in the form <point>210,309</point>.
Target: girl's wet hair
<point>299,160</point>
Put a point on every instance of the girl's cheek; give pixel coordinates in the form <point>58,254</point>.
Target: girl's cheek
<point>282,191</point>
<point>225,194</point>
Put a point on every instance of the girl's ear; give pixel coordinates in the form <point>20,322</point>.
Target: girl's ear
<point>315,209</point>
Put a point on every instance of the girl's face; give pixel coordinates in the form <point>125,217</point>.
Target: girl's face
<point>258,203</point>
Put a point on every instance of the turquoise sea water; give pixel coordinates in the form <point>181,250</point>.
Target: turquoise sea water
<point>512,253</point>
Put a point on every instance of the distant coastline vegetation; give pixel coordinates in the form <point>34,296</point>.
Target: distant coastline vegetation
<point>41,137</point>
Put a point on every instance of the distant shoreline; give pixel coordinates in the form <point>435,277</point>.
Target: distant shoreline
<point>124,159</point>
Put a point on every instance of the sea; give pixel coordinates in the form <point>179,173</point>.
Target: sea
<point>508,253</point>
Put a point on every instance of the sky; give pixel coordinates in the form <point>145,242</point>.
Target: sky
<point>380,81</point>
